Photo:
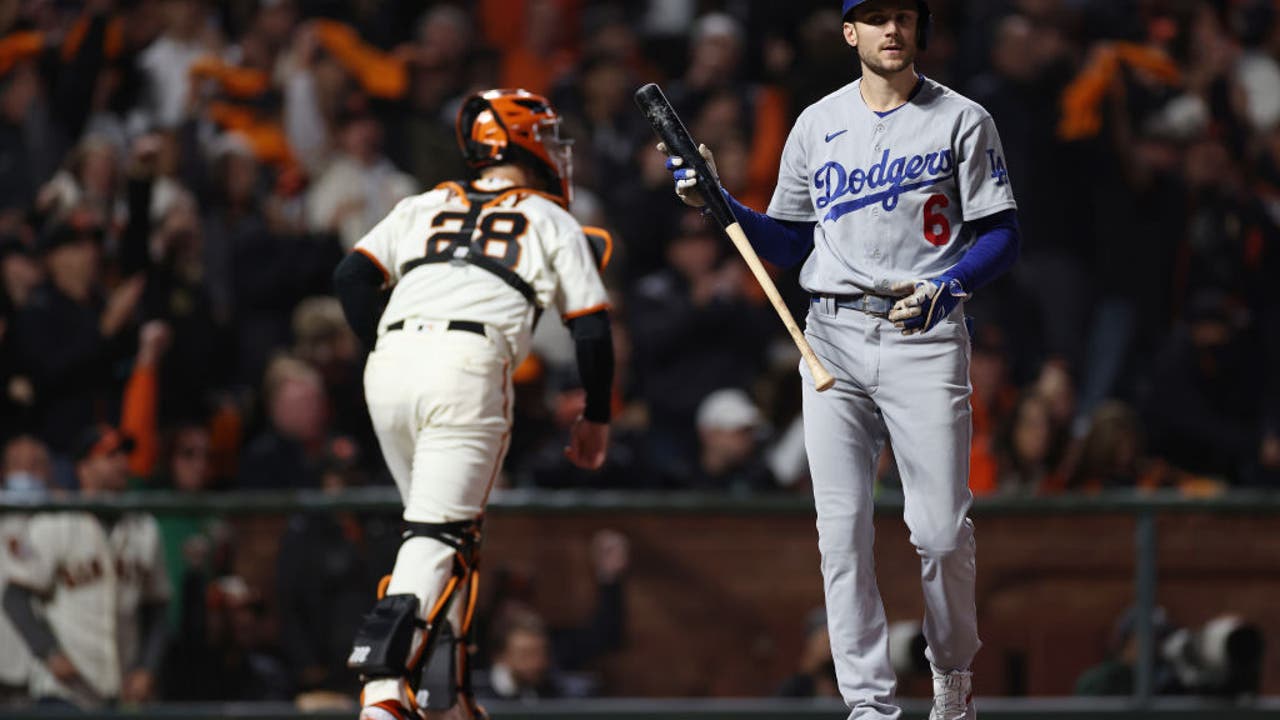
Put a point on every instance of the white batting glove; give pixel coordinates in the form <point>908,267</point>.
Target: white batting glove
<point>926,303</point>
<point>686,177</point>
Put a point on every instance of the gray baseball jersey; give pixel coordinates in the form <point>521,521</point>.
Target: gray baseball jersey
<point>890,193</point>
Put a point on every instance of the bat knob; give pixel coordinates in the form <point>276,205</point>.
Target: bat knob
<point>822,380</point>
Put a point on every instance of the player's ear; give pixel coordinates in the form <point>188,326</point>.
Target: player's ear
<point>850,35</point>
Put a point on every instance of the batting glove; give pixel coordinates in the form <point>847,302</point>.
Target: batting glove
<point>686,177</point>
<point>928,302</point>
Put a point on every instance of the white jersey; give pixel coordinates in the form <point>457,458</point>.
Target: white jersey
<point>15,660</point>
<point>891,192</point>
<point>93,581</point>
<point>523,230</point>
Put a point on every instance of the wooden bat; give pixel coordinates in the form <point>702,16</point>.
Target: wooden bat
<point>653,103</point>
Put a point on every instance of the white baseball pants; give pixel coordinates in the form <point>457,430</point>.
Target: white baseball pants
<point>440,401</point>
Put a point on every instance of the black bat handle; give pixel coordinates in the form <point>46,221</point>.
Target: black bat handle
<point>666,123</point>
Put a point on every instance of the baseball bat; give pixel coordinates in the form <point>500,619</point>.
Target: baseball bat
<point>666,123</point>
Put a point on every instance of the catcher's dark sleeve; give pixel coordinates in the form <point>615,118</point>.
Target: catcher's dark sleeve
<point>357,282</point>
<point>593,340</point>
<point>154,621</point>
<point>32,627</point>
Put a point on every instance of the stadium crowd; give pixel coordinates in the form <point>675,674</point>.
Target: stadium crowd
<point>178,179</point>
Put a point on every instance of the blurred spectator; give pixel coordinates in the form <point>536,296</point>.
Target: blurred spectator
<point>817,673</point>
<point>541,53</point>
<point>993,399</point>
<point>426,142</point>
<point>541,462</point>
<point>70,565</point>
<point>730,428</point>
<point>360,186</point>
<point>1115,675</point>
<point>1113,454</point>
<point>522,666</point>
<point>199,356</point>
<point>529,660</point>
<point>195,546</point>
<point>324,340</point>
<point>695,331</point>
<point>19,88</point>
<point>21,272</point>
<point>187,35</point>
<point>1056,386</point>
<point>68,338</point>
<point>288,453</point>
<point>256,272</point>
<point>222,655</point>
<point>1024,449</point>
<point>27,474</point>
<point>1203,409</point>
<point>327,574</point>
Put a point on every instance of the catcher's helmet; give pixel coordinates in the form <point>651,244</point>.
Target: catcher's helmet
<point>923,30</point>
<point>516,126</point>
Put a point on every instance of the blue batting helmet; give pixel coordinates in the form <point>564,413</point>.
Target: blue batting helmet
<point>925,24</point>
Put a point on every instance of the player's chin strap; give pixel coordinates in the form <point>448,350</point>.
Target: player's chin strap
<point>439,673</point>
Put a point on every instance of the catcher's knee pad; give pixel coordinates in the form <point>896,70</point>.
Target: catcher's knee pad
<point>463,536</point>
<point>382,644</point>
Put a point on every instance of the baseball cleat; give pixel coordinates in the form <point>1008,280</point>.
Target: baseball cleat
<point>387,710</point>
<point>953,696</point>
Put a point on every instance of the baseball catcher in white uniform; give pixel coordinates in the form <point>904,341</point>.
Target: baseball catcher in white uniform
<point>471,267</point>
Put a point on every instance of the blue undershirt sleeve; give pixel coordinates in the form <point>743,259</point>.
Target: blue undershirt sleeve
<point>992,254</point>
<point>782,242</point>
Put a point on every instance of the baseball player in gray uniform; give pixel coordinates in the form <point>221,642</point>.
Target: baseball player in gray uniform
<point>895,189</point>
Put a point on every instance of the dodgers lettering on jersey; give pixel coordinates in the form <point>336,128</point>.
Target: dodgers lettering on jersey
<point>891,194</point>
<point>524,230</point>
<point>835,182</point>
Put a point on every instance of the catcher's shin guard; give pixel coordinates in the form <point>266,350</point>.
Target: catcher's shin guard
<point>440,675</point>
<point>382,644</point>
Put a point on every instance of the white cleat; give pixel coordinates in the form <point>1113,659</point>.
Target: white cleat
<point>953,696</point>
<point>387,710</point>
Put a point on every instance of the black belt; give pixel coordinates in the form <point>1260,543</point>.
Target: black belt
<point>470,326</point>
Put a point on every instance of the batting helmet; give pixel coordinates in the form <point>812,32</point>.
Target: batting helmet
<point>925,26</point>
<point>516,126</point>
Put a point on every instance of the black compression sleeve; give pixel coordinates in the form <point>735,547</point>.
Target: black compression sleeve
<point>357,282</point>
<point>155,635</point>
<point>32,627</point>
<point>593,340</point>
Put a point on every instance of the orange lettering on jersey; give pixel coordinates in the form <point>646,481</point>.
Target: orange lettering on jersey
<point>74,575</point>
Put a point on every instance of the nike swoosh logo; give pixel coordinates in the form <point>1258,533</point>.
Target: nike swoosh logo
<point>836,134</point>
